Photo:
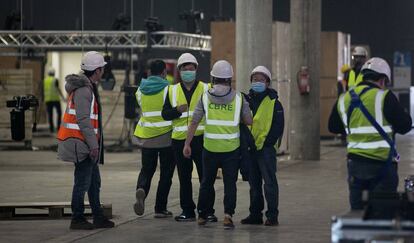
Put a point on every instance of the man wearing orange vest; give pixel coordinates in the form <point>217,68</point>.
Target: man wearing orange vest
<point>81,140</point>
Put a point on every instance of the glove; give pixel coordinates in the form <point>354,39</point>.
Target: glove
<point>94,154</point>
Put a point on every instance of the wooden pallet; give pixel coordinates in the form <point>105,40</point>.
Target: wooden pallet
<point>55,209</point>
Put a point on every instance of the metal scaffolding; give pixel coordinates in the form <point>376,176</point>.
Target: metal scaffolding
<point>104,39</point>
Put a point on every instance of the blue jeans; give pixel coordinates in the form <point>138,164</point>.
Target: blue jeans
<point>263,169</point>
<point>362,176</point>
<point>87,179</point>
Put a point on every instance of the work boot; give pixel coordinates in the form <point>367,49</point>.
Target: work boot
<point>185,217</point>
<point>201,221</point>
<point>103,222</point>
<point>163,214</point>
<point>252,220</point>
<point>212,218</point>
<point>139,205</point>
<point>81,224</point>
<point>228,222</point>
<point>271,222</point>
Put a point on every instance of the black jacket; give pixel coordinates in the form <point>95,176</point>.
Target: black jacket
<point>278,121</point>
<point>395,114</point>
<point>170,113</point>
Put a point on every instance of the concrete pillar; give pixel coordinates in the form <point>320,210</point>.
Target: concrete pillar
<point>253,38</point>
<point>305,24</point>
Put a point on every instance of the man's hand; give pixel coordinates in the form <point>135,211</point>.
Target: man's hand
<point>187,151</point>
<point>94,154</point>
<point>182,108</point>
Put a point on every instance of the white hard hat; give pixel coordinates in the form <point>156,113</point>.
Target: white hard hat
<point>92,60</point>
<point>186,58</point>
<point>378,65</point>
<point>222,69</point>
<point>262,70</point>
<point>359,51</point>
<point>51,70</point>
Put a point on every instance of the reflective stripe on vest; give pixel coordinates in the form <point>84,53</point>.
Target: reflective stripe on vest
<point>222,131</point>
<point>50,90</point>
<point>363,138</point>
<point>69,127</point>
<point>177,98</point>
<point>262,121</point>
<point>354,81</point>
<point>151,124</point>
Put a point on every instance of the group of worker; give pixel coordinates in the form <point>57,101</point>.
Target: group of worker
<point>206,124</point>
<point>189,122</point>
<point>193,122</point>
<point>369,116</point>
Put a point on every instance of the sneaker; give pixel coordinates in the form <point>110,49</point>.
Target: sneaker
<point>139,205</point>
<point>163,214</point>
<point>201,221</point>
<point>252,220</point>
<point>81,224</point>
<point>103,222</point>
<point>271,222</point>
<point>185,218</point>
<point>228,222</point>
<point>212,218</point>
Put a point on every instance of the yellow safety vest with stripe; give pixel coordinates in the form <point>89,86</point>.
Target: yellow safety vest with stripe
<point>50,90</point>
<point>262,121</point>
<point>222,132</point>
<point>354,80</point>
<point>177,98</point>
<point>362,137</point>
<point>151,124</point>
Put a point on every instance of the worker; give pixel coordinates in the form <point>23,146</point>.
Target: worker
<point>154,138</point>
<point>370,115</point>
<point>342,83</point>
<point>359,56</point>
<point>222,108</point>
<point>170,73</point>
<point>267,129</point>
<point>81,140</point>
<point>52,96</point>
<point>179,107</point>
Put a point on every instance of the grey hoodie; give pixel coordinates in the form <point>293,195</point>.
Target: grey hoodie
<point>220,94</point>
<point>73,149</point>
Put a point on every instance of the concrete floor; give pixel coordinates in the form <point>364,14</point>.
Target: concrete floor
<point>311,192</point>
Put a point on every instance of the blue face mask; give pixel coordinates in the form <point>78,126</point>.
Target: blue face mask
<point>258,87</point>
<point>188,76</point>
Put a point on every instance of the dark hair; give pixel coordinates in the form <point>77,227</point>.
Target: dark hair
<point>186,64</point>
<point>90,73</point>
<point>157,67</point>
<point>372,75</point>
<point>221,80</point>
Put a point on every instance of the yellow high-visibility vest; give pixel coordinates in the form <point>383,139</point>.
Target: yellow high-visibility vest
<point>50,90</point>
<point>151,124</point>
<point>222,132</point>
<point>177,98</point>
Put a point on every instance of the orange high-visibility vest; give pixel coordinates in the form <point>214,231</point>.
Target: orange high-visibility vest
<point>70,128</point>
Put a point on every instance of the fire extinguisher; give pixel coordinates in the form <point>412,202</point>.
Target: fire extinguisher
<point>303,80</point>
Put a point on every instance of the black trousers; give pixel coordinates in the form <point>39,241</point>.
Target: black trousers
<point>185,169</point>
<point>229,162</point>
<point>49,108</point>
<point>149,166</point>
